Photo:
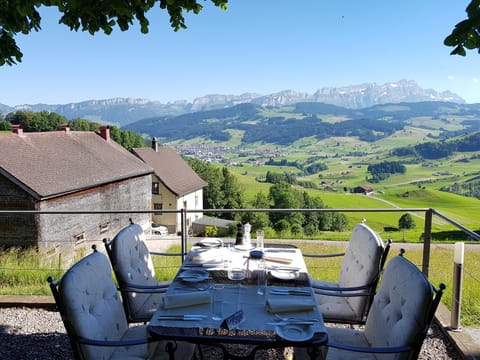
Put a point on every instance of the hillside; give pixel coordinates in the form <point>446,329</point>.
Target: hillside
<point>254,123</point>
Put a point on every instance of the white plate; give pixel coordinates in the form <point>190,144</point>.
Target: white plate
<point>193,275</point>
<point>211,243</point>
<point>284,274</point>
<point>295,332</point>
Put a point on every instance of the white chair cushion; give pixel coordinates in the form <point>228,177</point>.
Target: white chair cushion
<point>92,304</point>
<point>334,307</point>
<point>134,265</point>
<point>361,263</point>
<point>93,309</point>
<point>351,337</point>
<point>398,312</point>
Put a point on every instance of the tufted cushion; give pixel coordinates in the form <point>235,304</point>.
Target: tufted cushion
<point>351,337</point>
<point>133,265</point>
<point>398,316</point>
<point>399,310</point>
<point>93,308</point>
<point>360,266</point>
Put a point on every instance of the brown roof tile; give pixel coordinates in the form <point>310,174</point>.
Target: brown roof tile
<point>53,163</point>
<point>171,169</point>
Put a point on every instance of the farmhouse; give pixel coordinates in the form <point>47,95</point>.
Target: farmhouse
<point>174,186</point>
<point>64,171</point>
<point>364,189</point>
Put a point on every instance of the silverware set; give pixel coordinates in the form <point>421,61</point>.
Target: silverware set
<point>290,292</point>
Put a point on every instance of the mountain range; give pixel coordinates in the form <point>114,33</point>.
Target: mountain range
<point>124,111</point>
<point>284,125</point>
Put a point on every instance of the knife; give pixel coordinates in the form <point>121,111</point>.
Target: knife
<point>290,292</point>
<point>182,317</point>
<point>281,250</point>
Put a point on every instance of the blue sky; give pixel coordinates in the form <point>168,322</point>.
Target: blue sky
<point>261,46</point>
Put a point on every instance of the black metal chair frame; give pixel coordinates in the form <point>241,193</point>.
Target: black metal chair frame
<point>415,347</point>
<point>351,291</point>
<point>76,341</point>
<point>125,288</point>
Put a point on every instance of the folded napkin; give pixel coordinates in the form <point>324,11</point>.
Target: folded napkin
<point>202,255</point>
<point>286,303</point>
<point>285,259</point>
<point>184,299</point>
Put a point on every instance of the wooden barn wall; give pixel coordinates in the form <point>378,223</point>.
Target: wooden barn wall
<point>59,234</point>
<point>16,229</point>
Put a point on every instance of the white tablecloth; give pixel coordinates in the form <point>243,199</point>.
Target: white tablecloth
<point>239,295</point>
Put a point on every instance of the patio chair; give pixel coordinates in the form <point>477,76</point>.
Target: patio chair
<point>132,264</point>
<point>92,312</point>
<point>398,321</point>
<point>349,299</point>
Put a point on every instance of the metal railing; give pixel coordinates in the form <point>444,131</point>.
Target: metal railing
<point>427,234</point>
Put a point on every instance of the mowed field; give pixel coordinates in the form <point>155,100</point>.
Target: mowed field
<point>418,188</point>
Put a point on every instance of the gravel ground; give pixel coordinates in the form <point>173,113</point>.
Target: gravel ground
<point>40,335</point>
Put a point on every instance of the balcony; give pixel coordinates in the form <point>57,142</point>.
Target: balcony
<point>433,257</point>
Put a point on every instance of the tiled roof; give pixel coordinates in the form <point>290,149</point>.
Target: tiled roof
<point>171,169</point>
<point>50,164</point>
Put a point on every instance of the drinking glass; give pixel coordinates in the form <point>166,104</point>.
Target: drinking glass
<point>227,256</point>
<point>236,272</point>
<point>260,237</point>
<point>261,278</point>
<point>217,301</point>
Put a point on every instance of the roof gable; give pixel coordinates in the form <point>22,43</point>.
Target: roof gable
<point>50,164</point>
<point>171,169</point>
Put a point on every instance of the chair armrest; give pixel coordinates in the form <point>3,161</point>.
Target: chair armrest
<point>335,289</point>
<point>366,349</point>
<point>150,289</point>
<point>340,294</point>
<point>132,342</point>
<point>323,255</point>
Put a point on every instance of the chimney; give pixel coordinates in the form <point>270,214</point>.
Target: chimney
<point>17,129</point>
<point>65,128</point>
<point>105,132</point>
<point>155,144</point>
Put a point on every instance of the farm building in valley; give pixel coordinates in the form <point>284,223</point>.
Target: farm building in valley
<point>174,186</point>
<point>364,189</point>
<point>64,171</point>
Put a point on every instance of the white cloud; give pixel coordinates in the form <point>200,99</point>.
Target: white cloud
<point>451,77</point>
<point>475,80</point>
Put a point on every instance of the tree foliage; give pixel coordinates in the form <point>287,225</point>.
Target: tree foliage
<point>466,34</point>
<point>223,190</point>
<point>50,121</point>
<point>23,17</point>
<point>406,222</point>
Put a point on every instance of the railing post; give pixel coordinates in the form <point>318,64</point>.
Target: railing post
<point>183,221</point>
<point>427,240</point>
<point>458,258</point>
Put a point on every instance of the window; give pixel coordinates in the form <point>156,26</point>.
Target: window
<point>157,206</point>
<point>103,228</point>
<point>155,188</point>
<point>80,238</point>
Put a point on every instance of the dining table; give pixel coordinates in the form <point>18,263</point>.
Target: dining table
<point>226,294</point>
